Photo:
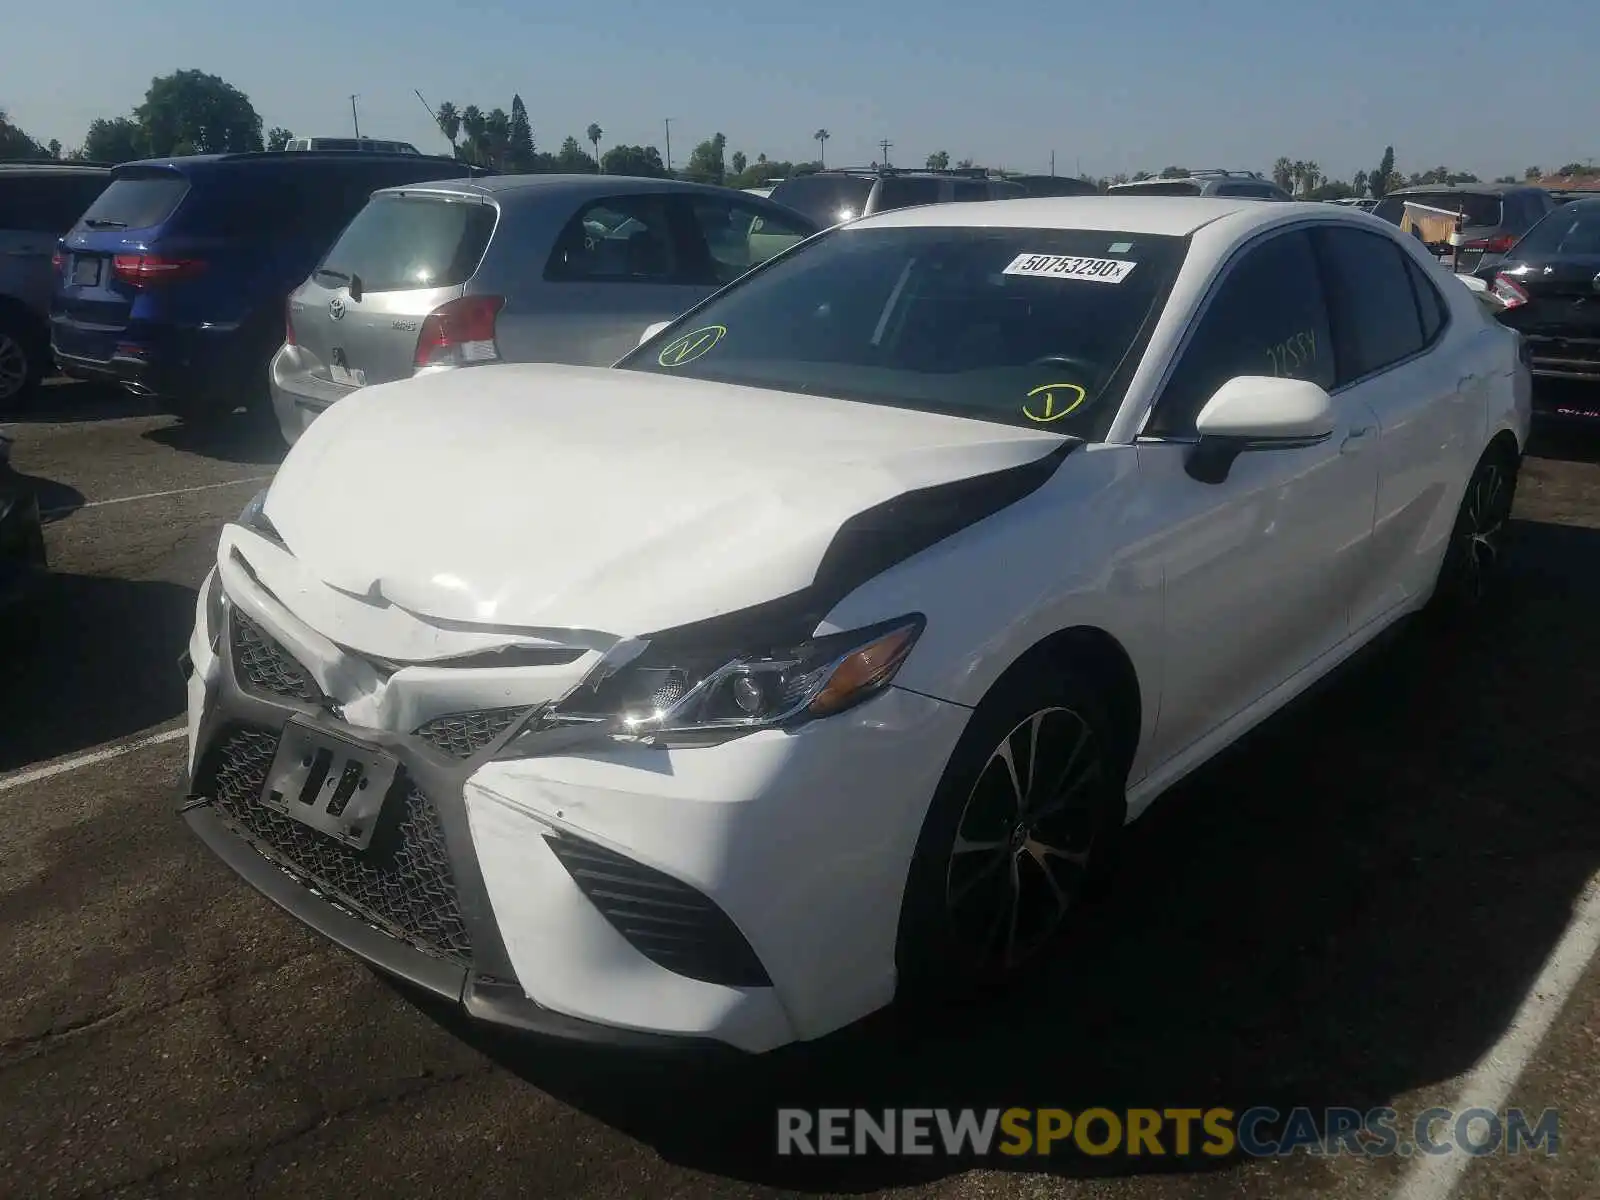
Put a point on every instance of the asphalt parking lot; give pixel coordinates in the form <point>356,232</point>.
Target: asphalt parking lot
<point>1361,906</point>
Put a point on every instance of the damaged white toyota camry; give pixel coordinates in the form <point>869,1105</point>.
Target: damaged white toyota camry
<point>811,654</point>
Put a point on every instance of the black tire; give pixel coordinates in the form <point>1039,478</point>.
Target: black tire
<point>24,362</point>
<point>942,950</point>
<point>1470,573</point>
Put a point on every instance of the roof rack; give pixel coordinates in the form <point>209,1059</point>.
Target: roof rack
<point>884,169</point>
<point>1225,173</point>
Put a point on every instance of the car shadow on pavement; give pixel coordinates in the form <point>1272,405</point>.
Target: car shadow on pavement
<point>87,660</point>
<point>68,401</point>
<point>236,438</point>
<point>1349,905</point>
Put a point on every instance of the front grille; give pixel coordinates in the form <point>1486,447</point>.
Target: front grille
<point>264,666</point>
<point>463,734</point>
<point>402,883</point>
<point>663,918</point>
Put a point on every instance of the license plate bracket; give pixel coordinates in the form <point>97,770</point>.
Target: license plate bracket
<point>85,271</point>
<point>334,784</point>
<point>341,372</point>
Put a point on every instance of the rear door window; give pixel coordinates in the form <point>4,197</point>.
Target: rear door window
<point>1430,304</point>
<point>1478,208</point>
<point>401,243</point>
<point>137,200</point>
<point>1375,317</point>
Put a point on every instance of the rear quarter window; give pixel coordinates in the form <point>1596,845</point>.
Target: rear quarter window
<point>400,243</point>
<point>137,200</point>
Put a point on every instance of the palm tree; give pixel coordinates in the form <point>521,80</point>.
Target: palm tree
<point>595,134</point>
<point>1313,176</point>
<point>822,136</point>
<point>1283,173</point>
<point>449,122</point>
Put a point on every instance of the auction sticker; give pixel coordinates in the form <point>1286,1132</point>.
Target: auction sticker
<point>1066,266</point>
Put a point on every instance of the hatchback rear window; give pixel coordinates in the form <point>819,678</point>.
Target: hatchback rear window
<point>405,242</point>
<point>136,200</point>
<point>1478,208</point>
<point>826,199</point>
<point>1568,231</point>
<point>904,193</point>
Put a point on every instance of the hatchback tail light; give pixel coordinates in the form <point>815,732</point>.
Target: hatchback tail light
<point>141,270</point>
<point>460,332</point>
<point>1494,245</point>
<point>288,323</point>
<point>58,260</point>
<point>1508,291</point>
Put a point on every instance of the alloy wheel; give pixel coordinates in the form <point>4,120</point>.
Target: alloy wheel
<point>1023,842</point>
<point>13,366</point>
<point>1485,511</point>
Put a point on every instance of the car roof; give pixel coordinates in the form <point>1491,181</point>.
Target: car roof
<point>295,159</point>
<point>1172,216</point>
<point>54,167</point>
<point>1468,189</point>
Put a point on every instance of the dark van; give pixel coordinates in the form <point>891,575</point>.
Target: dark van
<point>174,282</point>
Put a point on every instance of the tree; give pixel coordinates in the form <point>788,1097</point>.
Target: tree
<point>449,123</point>
<point>1283,174</point>
<point>1311,175</point>
<point>1505,179</point>
<point>198,113</point>
<point>1379,181</point>
<point>821,137</point>
<point>965,164</point>
<point>54,148</point>
<point>1532,172</point>
<point>472,124</point>
<point>634,160</point>
<point>117,140</point>
<point>594,134</point>
<point>572,160</point>
<point>939,160</point>
<point>1358,185</point>
<point>16,144</point>
<point>519,137</point>
<point>1573,168</point>
<point>497,137</point>
<point>278,137</point>
<point>705,162</point>
<point>739,162</point>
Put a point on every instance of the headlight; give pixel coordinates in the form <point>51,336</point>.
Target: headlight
<point>704,699</point>
<point>216,606</point>
<point>254,513</point>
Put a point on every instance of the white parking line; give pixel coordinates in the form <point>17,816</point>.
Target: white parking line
<point>200,487</point>
<point>34,774</point>
<point>1491,1081</point>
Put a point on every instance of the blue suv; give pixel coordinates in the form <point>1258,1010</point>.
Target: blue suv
<point>173,283</point>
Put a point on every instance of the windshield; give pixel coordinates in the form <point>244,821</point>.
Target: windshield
<point>1024,327</point>
<point>400,242</point>
<point>1478,208</point>
<point>1565,232</point>
<point>826,199</point>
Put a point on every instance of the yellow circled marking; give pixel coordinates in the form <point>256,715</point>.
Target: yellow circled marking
<point>691,345</point>
<point>1052,409</point>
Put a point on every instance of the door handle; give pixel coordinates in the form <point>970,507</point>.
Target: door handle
<point>1353,438</point>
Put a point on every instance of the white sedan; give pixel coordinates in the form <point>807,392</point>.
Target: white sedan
<point>811,654</point>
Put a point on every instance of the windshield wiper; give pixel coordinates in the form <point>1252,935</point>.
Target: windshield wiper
<point>103,223</point>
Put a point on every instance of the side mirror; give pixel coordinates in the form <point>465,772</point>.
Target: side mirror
<point>651,330</point>
<point>1257,412</point>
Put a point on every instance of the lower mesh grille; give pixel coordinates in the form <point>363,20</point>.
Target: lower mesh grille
<point>663,918</point>
<point>464,734</point>
<point>402,882</point>
<point>263,665</point>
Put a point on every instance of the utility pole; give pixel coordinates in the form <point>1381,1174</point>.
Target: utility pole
<point>667,121</point>
<point>1052,164</point>
<point>884,146</point>
<point>355,120</point>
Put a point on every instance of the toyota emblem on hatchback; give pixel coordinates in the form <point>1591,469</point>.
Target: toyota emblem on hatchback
<point>336,309</point>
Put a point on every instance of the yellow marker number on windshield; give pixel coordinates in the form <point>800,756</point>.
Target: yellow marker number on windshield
<point>691,345</point>
<point>1052,401</point>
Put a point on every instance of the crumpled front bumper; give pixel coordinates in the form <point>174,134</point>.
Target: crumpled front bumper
<point>745,895</point>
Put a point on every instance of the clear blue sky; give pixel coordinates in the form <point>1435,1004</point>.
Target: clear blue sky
<point>1116,85</point>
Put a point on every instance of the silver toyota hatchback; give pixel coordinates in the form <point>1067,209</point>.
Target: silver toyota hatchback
<point>515,268</point>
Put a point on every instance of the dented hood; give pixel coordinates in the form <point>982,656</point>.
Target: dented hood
<point>542,496</point>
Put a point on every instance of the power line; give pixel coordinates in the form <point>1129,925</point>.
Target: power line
<point>884,146</point>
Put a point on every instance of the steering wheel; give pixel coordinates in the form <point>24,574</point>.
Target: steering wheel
<point>1087,370</point>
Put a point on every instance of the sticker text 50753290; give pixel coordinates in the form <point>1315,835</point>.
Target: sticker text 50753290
<point>1067,266</point>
